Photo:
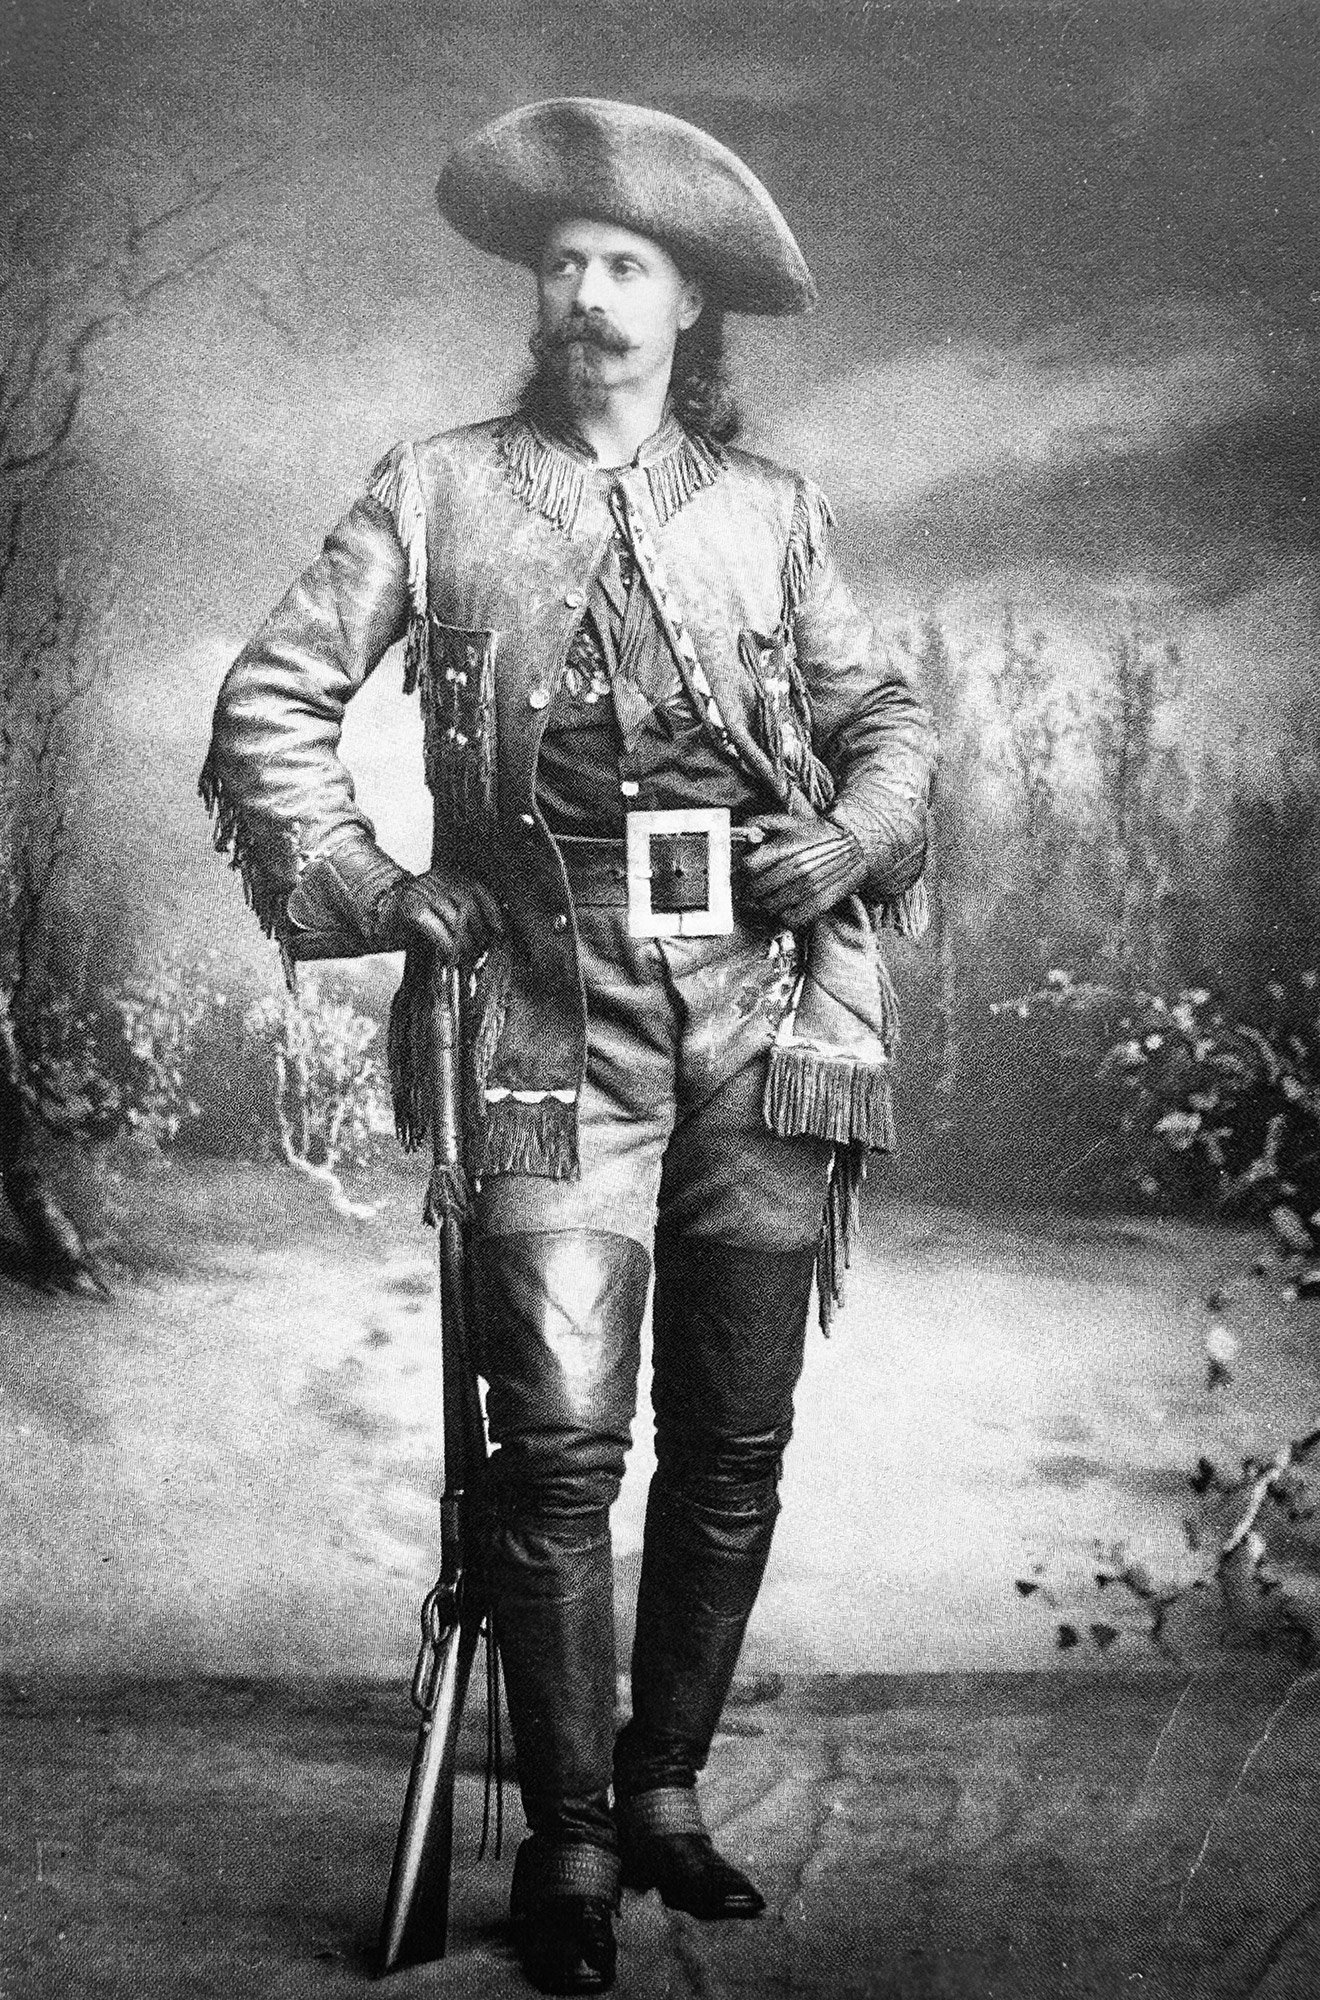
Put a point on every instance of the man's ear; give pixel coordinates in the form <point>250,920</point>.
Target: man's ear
<point>690,302</point>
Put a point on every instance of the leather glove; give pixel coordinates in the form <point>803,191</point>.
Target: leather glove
<point>444,908</point>
<point>802,867</point>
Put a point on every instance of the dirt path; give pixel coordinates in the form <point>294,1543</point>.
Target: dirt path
<point>230,1469</point>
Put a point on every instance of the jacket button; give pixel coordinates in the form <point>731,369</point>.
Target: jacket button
<point>539,698</point>
<point>574,599</point>
<point>528,819</point>
<point>561,921</point>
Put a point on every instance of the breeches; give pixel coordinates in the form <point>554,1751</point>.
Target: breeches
<point>675,1159</point>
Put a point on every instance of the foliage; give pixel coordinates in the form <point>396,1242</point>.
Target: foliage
<point>187,1057</point>
<point>1250,1559</point>
<point>163,1012</point>
<point>1203,1098</point>
<point>1070,832</point>
<point>329,1104</point>
<point>72,1074</point>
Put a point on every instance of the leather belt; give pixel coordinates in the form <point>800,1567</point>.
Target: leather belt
<point>672,872</point>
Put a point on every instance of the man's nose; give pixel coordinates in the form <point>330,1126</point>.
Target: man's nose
<point>593,287</point>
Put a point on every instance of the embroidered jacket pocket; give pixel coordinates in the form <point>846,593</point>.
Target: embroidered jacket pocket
<point>459,707</point>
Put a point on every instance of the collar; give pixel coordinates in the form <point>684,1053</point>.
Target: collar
<point>549,470</point>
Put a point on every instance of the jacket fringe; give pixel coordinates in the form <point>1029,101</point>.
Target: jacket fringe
<point>501,1136</point>
<point>810,1094</point>
<point>808,544</point>
<point>546,480</point>
<point>395,484</point>
<point>682,474</point>
<point>838,1227</point>
<point>267,893</point>
<point>509,1137</point>
<point>554,484</point>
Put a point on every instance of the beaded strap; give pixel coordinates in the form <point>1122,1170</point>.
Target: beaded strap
<point>670,614</point>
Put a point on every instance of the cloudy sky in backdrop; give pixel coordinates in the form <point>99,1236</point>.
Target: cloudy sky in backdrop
<point>1065,354</point>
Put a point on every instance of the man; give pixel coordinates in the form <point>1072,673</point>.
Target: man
<point>673,772</point>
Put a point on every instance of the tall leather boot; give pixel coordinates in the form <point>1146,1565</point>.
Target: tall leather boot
<point>729,1337</point>
<point>560,1313</point>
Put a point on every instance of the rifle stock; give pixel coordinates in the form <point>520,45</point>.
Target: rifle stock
<point>414,1928</point>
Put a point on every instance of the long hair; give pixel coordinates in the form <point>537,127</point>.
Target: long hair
<point>699,387</point>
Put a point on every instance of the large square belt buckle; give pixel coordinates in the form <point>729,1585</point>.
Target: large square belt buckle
<point>679,873</point>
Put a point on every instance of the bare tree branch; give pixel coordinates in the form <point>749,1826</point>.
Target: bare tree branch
<point>54,313</point>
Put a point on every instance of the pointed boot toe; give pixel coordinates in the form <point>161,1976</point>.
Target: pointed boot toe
<point>691,1874</point>
<point>665,1846</point>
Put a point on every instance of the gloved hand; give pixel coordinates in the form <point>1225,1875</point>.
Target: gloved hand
<point>445,908</point>
<point>802,867</point>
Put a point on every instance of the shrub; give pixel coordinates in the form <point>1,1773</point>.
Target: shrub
<point>328,1095</point>
<point>180,1053</point>
<point>1206,1098</point>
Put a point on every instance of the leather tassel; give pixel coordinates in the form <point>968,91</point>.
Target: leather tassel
<point>682,474</point>
<point>448,1196</point>
<point>838,1227</point>
<point>265,892</point>
<point>545,479</point>
<point>408,1049</point>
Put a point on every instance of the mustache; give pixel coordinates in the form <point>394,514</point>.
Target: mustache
<point>585,330</point>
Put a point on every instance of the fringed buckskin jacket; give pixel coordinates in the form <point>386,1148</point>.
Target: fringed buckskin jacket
<point>480,547</point>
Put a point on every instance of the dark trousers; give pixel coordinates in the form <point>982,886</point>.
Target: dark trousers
<point>677,1168</point>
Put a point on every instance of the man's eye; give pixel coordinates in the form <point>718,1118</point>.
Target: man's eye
<point>625,267</point>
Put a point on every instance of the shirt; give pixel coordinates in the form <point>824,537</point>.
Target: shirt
<point>622,733</point>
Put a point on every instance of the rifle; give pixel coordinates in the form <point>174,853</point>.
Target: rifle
<point>416,1921</point>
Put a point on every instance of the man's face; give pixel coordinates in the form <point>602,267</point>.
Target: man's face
<point>612,305</point>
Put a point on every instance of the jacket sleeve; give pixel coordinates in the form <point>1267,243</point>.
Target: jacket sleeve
<point>284,803</point>
<point>870,727</point>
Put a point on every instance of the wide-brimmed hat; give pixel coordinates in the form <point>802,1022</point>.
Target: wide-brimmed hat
<point>507,185</point>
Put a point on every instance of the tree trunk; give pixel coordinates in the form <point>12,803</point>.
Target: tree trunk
<point>54,1247</point>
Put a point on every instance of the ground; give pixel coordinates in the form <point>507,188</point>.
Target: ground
<point>220,1491</point>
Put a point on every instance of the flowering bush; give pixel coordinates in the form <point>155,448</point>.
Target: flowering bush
<point>164,1011</point>
<point>178,1053</point>
<point>329,1099</point>
<point>1204,1098</point>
